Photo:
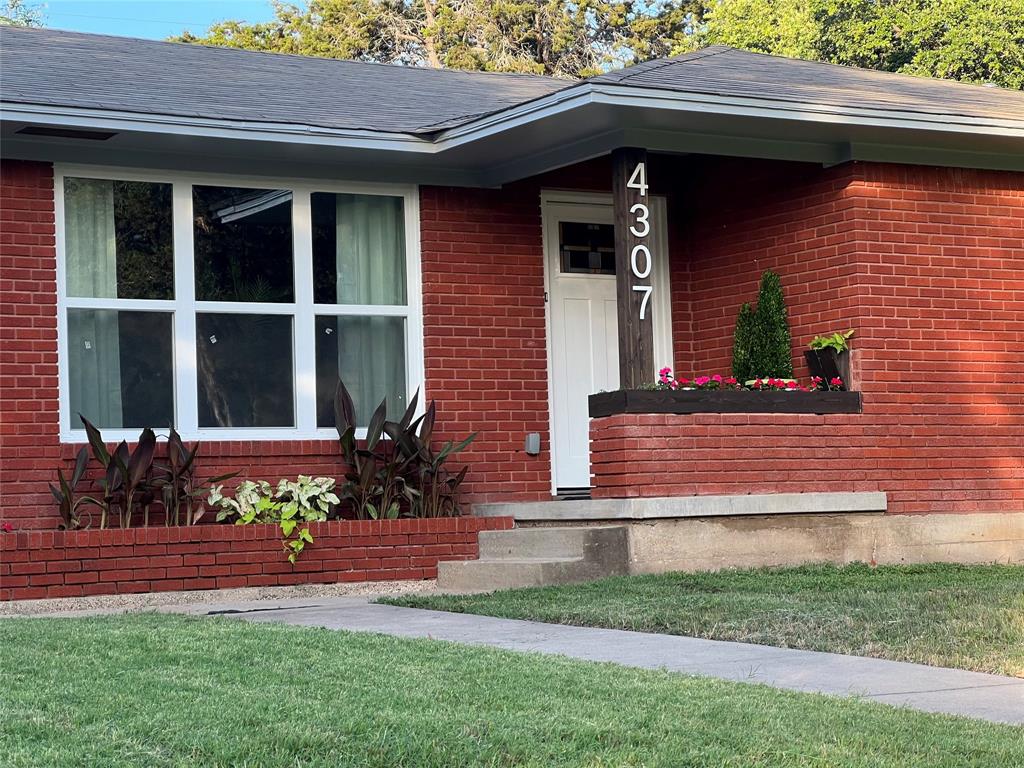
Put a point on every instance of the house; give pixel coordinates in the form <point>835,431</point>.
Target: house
<point>210,237</point>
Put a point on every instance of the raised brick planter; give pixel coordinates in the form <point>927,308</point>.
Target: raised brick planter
<point>39,564</point>
<point>915,458</point>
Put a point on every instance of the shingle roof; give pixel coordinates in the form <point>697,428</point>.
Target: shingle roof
<point>724,71</point>
<point>39,66</point>
<point>69,69</point>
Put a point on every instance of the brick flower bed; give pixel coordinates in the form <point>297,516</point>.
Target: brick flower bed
<point>39,564</point>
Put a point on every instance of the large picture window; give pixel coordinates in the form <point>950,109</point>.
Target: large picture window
<point>229,308</point>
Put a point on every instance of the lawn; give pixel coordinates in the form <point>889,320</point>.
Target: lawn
<point>971,617</point>
<point>151,690</point>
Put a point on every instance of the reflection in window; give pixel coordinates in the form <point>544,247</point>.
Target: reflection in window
<point>358,249</point>
<point>118,239</point>
<point>245,370</point>
<point>368,353</point>
<point>120,368</point>
<point>587,248</point>
<point>243,244</point>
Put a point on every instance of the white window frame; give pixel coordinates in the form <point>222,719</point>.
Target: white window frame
<point>184,306</point>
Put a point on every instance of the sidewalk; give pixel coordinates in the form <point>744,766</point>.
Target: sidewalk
<point>931,689</point>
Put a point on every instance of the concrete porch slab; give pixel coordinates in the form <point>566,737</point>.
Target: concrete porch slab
<point>689,506</point>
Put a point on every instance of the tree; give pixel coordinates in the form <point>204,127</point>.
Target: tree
<point>551,37</point>
<point>17,13</point>
<point>975,41</point>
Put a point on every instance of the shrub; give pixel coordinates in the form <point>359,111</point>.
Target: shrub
<point>772,348</point>
<point>762,346</point>
<point>403,475</point>
<point>742,345</point>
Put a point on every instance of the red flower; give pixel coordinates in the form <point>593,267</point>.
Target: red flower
<point>7,527</point>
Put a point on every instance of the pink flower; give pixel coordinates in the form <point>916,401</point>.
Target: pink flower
<point>700,381</point>
<point>791,385</point>
<point>730,382</point>
<point>836,382</point>
<point>684,382</point>
<point>717,378</point>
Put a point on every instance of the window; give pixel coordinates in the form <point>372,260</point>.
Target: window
<point>229,309</point>
<point>586,248</point>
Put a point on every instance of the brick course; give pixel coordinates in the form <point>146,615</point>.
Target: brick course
<point>42,564</point>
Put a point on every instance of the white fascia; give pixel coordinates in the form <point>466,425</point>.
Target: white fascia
<point>656,98</point>
<point>203,127</point>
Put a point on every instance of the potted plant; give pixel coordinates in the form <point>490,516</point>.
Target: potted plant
<point>829,356</point>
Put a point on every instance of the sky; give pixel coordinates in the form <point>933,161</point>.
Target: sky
<point>155,19</point>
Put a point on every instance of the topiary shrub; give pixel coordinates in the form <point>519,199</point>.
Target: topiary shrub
<point>743,343</point>
<point>773,345</point>
<point>762,345</point>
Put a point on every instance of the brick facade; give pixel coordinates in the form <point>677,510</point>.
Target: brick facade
<point>41,564</point>
<point>927,264</point>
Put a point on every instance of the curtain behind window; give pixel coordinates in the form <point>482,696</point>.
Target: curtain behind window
<point>94,362</point>
<point>371,270</point>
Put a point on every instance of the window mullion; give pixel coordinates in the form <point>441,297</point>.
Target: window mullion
<point>304,325</point>
<point>186,377</point>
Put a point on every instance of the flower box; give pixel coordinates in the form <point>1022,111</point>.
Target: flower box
<point>721,401</point>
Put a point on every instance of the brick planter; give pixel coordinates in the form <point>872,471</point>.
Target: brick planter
<point>39,564</point>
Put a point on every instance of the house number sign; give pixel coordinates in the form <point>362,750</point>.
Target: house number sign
<point>640,261</point>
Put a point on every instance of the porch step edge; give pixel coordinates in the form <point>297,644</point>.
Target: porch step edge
<point>843,502</point>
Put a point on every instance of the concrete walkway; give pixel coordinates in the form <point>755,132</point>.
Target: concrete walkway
<point>931,689</point>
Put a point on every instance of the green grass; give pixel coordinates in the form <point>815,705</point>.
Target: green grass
<point>971,617</point>
<point>155,691</point>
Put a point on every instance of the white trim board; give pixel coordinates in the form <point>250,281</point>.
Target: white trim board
<point>690,506</point>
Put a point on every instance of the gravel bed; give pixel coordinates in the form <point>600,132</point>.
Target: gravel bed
<point>145,601</point>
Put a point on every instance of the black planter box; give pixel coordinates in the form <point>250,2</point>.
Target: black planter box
<point>721,401</point>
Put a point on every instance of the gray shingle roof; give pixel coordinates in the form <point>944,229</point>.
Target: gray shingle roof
<point>724,71</point>
<point>152,77</point>
<point>69,69</point>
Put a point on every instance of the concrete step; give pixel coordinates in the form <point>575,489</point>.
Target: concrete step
<point>532,542</point>
<point>532,557</point>
<point>491,575</point>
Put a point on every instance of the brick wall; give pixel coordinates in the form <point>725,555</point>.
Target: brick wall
<point>44,564</point>
<point>29,449</point>
<point>926,263</point>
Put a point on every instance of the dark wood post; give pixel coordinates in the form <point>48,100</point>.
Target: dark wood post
<point>634,266</point>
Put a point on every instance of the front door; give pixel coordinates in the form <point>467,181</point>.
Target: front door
<point>583,327</point>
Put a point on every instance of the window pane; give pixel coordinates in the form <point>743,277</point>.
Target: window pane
<point>587,248</point>
<point>368,353</point>
<point>120,368</point>
<point>245,370</point>
<point>243,244</point>
<point>118,239</point>
<point>358,249</point>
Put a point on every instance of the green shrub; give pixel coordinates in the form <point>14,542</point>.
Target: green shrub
<point>742,347</point>
<point>772,349</point>
<point>762,346</point>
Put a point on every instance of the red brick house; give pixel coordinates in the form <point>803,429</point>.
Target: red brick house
<point>209,237</point>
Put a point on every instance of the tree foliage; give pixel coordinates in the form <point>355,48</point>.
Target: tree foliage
<point>18,13</point>
<point>551,37</point>
<point>971,40</point>
<point>975,41</point>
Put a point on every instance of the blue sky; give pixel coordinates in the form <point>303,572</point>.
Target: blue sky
<point>148,18</point>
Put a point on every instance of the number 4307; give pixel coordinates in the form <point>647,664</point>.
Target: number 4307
<point>640,258</point>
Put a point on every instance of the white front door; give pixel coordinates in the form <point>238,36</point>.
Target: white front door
<point>583,340</point>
